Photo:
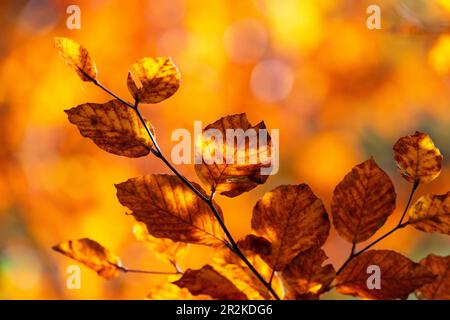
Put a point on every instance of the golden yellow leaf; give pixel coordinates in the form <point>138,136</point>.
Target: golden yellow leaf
<point>113,127</point>
<point>77,57</point>
<point>439,289</point>
<point>362,202</point>
<point>169,291</point>
<point>240,170</point>
<point>305,277</point>
<point>431,213</point>
<point>418,160</point>
<point>93,255</point>
<point>293,219</point>
<point>210,282</point>
<point>170,209</point>
<point>153,80</point>
<point>399,276</point>
<point>164,249</point>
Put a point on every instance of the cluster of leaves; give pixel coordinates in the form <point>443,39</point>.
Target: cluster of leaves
<point>290,223</point>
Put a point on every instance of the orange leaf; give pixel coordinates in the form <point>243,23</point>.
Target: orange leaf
<point>293,219</point>
<point>208,281</point>
<point>417,158</point>
<point>77,57</point>
<point>399,275</point>
<point>170,209</point>
<point>305,277</point>
<point>169,291</point>
<point>362,202</point>
<point>440,288</point>
<point>113,127</point>
<point>241,172</point>
<point>431,213</point>
<point>93,255</point>
<point>255,244</point>
<point>164,249</point>
<point>153,80</point>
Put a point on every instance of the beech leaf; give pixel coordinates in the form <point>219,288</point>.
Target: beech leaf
<point>293,219</point>
<point>113,127</point>
<point>210,282</point>
<point>169,209</point>
<point>153,80</point>
<point>241,172</point>
<point>77,57</point>
<point>439,289</point>
<point>93,255</point>
<point>255,244</point>
<point>305,277</point>
<point>399,276</point>
<point>417,158</point>
<point>431,213</point>
<point>362,202</point>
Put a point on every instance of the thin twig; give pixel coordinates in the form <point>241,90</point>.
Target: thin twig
<point>208,200</point>
<point>126,270</point>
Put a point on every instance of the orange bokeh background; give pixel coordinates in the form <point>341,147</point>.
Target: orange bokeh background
<point>338,92</point>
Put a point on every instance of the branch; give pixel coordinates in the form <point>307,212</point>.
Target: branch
<point>208,200</point>
<point>126,270</point>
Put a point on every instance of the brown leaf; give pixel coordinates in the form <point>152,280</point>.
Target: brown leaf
<point>399,276</point>
<point>255,244</point>
<point>417,158</point>
<point>153,80</point>
<point>77,57</point>
<point>113,127</point>
<point>242,171</point>
<point>164,249</point>
<point>234,269</point>
<point>431,213</point>
<point>208,281</point>
<point>169,291</point>
<point>439,289</point>
<point>93,255</point>
<point>293,219</point>
<point>305,277</point>
<point>362,202</point>
<point>170,209</point>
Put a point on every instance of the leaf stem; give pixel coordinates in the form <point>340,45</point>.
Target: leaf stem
<point>208,200</point>
<point>400,225</point>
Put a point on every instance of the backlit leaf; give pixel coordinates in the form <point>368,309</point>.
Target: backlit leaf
<point>417,158</point>
<point>362,202</point>
<point>153,80</point>
<point>240,171</point>
<point>165,249</point>
<point>170,209</point>
<point>431,213</point>
<point>77,57</point>
<point>305,277</point>
<point>439,289</point>
<point>93,255</point>
<point>208,281</point>
<point>169,291</point>
<point>255,244</point>
<point>293,219</point>
<point>399,276</point>
<point>113,127</point>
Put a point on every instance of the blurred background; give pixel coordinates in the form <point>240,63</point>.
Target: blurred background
<point>338,92</point>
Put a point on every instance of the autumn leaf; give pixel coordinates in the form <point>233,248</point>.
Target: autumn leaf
<point>399,275</point>
<point>293,219</point>
<point>113,127</point>
<point>164,249</point>
<point>170,209</point>
<point>93,255</point>
<point>77,57</point>
<point>305,277</point>
<point>362,202</point>
<point>229,265</point>
<point>208,281</point>
<point>169,291</point>
<point>255,244</point>
<point>439,289</point>
<point>153,80</point>
<point>240,171</point>
<point>431,213</point>
<point>417,158</point>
